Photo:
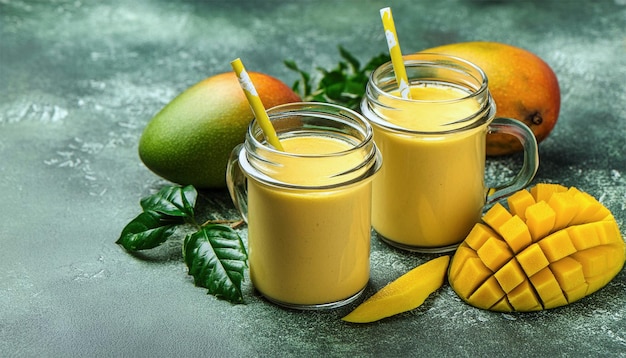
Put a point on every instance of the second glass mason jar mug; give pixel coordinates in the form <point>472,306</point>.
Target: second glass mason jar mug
<point>308,208</point>
<point>431,188</point>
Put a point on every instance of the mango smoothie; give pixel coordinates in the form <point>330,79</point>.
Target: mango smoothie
<point>430,190</point>
<point>310,246</point>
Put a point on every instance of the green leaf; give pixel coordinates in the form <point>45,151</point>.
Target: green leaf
<point>354,63</point>
<point>296,87</point>
<point>333,78</point>
<point>172,201</point>
<point>291,64</point>
<point>303,85</point>
<point>216,258</point>
<point>354,89</point>
<point>148,230</point>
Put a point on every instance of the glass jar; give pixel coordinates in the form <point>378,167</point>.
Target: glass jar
<point>308,208</point>
<point>431,188</point>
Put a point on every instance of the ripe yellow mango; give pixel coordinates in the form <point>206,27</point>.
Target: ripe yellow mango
<point>407,292</point>
<point>552,247</point>
<point>522,84</point>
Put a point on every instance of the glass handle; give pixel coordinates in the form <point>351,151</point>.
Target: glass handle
<point>237,183</point>
<point>531,157</point>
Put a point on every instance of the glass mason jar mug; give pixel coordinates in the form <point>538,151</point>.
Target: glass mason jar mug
<point>308,208</point>
<point>431,188</point>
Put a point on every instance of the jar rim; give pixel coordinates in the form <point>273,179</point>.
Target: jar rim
<point>427,59</point>
<point>303,109</point>
<point>350,124</point>
<point>480,89</point>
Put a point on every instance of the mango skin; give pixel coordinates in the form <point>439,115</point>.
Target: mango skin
<point>189,141</point>
<point>567,247</point>
<point>523,86</point>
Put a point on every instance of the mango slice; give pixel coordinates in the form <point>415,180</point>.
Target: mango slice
<point>552,247</point>
<point>407,292</point>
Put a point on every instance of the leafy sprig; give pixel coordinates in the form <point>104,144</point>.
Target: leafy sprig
<point>344,85</point>
<point>215,254</point>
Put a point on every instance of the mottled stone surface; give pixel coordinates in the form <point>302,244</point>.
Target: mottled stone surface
<point>80,79</point>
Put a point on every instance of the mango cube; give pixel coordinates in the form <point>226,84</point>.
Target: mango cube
<point>496,216</point>
<point>584,236</point>
<point>594,260</point>
<point>546,285</point>
<point>494,253</point>
<point>519,201</point>
<point>540,219</point>
<point>569,273</point>
<point>516,234</point>
<point>489,293</point>
<point>471,275</point>
<point>557,246</point>
<point>479,234</point>
<point>510,275</point>
<point>590,209</point>
<point>565,208</point>
<point>532,259</point>
<point>543,191</point>
<point>523,298</point>
<point>502,306</point>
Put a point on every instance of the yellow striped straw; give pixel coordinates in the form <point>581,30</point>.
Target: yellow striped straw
<point>395,52</point>
<point>255,104</point>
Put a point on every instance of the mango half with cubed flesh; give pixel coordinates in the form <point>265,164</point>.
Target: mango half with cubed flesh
<point>552,247</point>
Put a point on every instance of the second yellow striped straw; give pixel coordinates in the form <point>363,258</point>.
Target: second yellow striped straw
<point>256,104</point>
<point>394,52</point>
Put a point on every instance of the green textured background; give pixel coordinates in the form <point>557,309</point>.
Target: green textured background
<point>80,79</point>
